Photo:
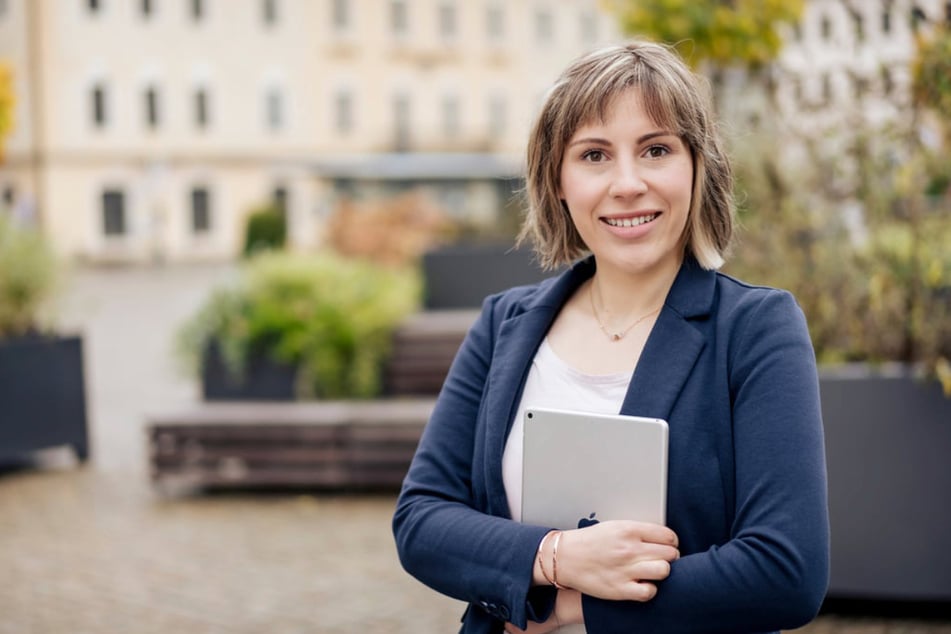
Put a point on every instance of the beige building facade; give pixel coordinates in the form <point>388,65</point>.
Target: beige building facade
<point>148,129</point>
<point>850,59</point>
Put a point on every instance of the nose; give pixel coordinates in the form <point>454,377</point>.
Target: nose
<point>627,180</point>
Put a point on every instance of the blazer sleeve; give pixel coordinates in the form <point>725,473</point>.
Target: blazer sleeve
<point>773,572</point>
<point>443,536</point>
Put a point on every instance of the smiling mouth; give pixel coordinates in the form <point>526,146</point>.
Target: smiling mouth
<point>630,222</point>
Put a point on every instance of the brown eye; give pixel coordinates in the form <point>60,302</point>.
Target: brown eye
<point>658,151</point>
<point>595,156</point>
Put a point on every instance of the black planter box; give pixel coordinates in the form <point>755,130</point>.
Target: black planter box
<point>42,396</point>
<point>462,275</point>
<point>262,380</point>
<point>888,446</point>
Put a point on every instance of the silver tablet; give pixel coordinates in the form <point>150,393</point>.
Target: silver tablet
<point>579,468</point>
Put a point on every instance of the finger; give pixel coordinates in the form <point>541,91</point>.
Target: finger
<point>640,591</point>
<point>657,551</point>
<point>655,570</point>
<point>657,534</point>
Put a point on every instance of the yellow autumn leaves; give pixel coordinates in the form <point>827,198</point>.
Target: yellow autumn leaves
<point>7,102</point>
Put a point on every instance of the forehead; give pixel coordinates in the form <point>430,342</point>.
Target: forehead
<point>641,104</point>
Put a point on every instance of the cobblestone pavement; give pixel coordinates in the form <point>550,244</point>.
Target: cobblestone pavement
<point>94,550</point>
<point>82,551</point>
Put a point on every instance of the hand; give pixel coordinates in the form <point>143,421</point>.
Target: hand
<point>567,610</point>
<point>617,560</point>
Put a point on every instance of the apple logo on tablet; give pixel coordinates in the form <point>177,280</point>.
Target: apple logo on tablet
<point>584,522</point>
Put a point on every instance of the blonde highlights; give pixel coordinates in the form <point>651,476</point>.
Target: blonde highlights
<point>675,99</point>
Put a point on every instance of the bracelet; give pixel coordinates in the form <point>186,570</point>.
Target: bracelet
<point>554,563</point>
<point>541,563</point>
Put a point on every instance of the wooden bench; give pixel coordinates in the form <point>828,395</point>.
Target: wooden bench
<point>423,349</point>
<point>317,445</point>
<point>335,445</point>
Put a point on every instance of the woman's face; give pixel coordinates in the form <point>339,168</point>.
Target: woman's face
<point>627,183</point>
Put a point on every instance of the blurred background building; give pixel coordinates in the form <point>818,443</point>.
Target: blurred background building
<point>149,129</point>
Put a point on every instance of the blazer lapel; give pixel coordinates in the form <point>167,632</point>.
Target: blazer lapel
<point>673,346</point>
<point>517,341</point>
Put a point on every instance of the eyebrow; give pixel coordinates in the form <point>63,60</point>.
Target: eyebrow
<point>640,139</point>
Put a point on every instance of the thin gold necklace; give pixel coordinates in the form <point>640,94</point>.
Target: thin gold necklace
<point>614,336</point>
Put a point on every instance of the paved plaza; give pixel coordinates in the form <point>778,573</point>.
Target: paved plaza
<point>95,550</point>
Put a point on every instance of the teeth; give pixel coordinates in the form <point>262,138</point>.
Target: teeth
<point>630,222</point>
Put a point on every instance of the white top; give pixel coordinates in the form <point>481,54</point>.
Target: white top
<point>553,383</point>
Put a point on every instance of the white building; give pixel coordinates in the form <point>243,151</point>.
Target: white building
<point>851,58</point>
<point>147,129</point>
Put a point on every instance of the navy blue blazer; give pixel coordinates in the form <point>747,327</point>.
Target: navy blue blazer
<point>731,368</point>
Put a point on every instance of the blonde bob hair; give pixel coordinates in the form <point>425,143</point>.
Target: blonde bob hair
<point>675,99</point>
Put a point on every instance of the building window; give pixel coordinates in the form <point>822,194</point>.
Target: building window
<point>450,116</point>
<point>98,99</point>
<point>797,31</point>
<point>825,27</point>
<point>198,10</point>
<point>447,20</point>
<point>9,194</point>
<point>947,12</point>
<point>544,26</point>
<point>201,108</point>
<point>495,22</point>
<point>497,116</point>
<point>201,210</point>
<point>888,82</point>
<point>859,24</point>
<point>274,109</point>
<point>280,199</point>
<point>399,18</point>
<point>93,6</point>
<point>269,12</point>
<point>886,21</point>
<point>340,14</point>
<point>859,87</point>
<point>826,89</point>
<point>147,8</point>
<point>797,91</point>
<point>113,213</point>
<point>152,118</point>
<point>401,122</point>
<point>343,112</point>
<point>918,17</point>
<point>3,8</point>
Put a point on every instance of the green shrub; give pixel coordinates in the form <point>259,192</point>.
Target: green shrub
<point>331,317</point>
<point>266,229</point>
<point>27,278</point>
<point>876,286</point>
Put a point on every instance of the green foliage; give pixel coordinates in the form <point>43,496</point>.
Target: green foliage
<point>266,230</point>
<point>7,104</point>
<point>721,32</point>
<point>876,288</point>
<point>931,84</point>
<point>27,277</point>
<point>332,317</point>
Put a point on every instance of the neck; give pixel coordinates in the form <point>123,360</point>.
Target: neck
<point>622,295</point>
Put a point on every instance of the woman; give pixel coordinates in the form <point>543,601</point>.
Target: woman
<point>624,163</point>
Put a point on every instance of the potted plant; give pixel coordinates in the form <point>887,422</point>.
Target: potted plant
<point>861,237</point>
<point>313,326</point>
<point>42,394</point>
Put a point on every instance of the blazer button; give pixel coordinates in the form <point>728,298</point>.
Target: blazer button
<point>504,613</point>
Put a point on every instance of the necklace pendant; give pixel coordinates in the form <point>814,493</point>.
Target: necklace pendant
<point>616,336</point>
